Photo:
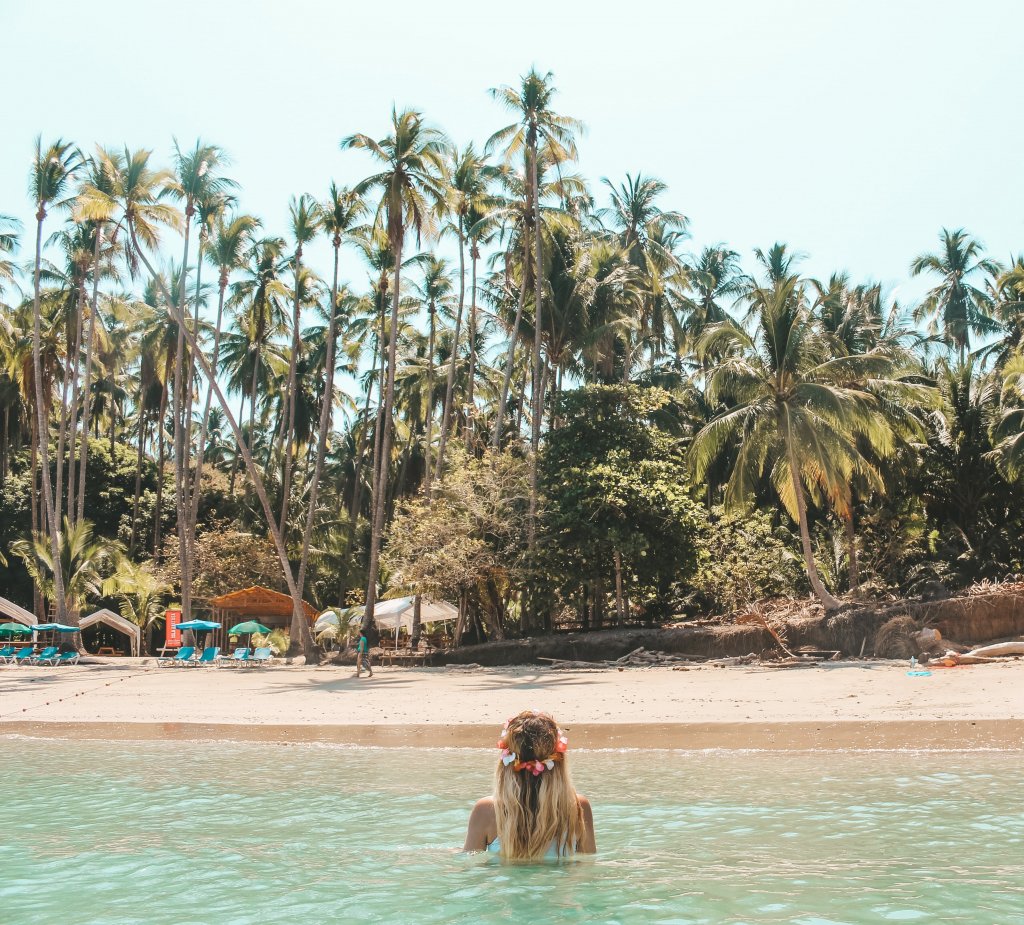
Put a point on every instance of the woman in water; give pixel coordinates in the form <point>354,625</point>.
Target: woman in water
<point>535,811</point>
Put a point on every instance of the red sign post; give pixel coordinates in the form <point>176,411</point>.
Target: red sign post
<point>173,638</point>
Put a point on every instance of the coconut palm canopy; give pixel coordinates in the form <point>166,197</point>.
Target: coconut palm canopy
<point>530,382</point>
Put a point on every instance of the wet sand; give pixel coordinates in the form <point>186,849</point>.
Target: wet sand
<point>844,705</point>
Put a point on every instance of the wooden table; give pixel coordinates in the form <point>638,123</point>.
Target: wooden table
<point>109,650</point>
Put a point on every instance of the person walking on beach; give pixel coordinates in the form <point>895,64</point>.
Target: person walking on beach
<point>363,655</point>
<point>535,812</point>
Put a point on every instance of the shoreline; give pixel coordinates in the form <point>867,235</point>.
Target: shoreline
<point>833,706</point>
<point>939,736</point>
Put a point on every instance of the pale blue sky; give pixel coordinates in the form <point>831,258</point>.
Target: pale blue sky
<point>851,130</point>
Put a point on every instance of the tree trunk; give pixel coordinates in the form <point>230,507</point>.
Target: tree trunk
<point>620,613</point>
<point>538,385</point>
<point>474,255</point>
<point>193,504</point>
<point>289,429</point>
<point>250,465</point>
<point>499,424</point>
<point>43,429</point>
<point>161,418</point>
<point>326,413</point>
<point>380,490</point>
<point>452,360</point>
<point>180,425</point>
<point>851,549</point>
<point>87,382</point>
<point>70,380</point>
<point>429,438</point>
<point>138,470</point>
<point>829,602</point>
<point>417,610</point>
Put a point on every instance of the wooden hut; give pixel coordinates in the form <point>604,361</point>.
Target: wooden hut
<point>271,608</point>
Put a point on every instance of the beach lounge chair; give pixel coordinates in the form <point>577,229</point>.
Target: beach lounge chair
<point>44,656</point>
<point>65,658</point>
<point>209,656</point>
<point>238,657</point>
<point>184,656</point>
<point>22,655</point>
<point>262,657</point>
<point>6,652</point>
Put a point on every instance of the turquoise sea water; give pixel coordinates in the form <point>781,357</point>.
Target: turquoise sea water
<point>113,833</point>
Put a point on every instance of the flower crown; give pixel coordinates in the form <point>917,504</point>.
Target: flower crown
<point>535,767</point>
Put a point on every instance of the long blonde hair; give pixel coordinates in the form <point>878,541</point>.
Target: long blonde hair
<point>535,811</point>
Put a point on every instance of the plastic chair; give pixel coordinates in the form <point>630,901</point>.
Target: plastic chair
<point>209,656</point>
<point>184,656</point>
<point>238,657</point>
<point>44,656</point>
<point>262,657</point>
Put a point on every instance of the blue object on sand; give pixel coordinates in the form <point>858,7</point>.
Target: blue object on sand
<point>919,674</point>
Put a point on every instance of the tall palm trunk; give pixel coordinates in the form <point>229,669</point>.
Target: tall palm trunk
<point>499,424</point>
<point>429,410</point>
<point>87,380</point>
<point>193,507</point>
<point>326,412</point>
<point>250,465</point>
<point>180,424</point>
<point>474,255</point>
<point>70,381</point>
<point>820,590</point>
<point>138,470</point>
<point>43,430</point>
<point>290,426</point>
<point>160,421</point>
<point>380,486</point>
<point>538,387</point>
<point>450,384</point>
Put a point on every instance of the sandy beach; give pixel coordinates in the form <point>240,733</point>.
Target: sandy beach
<point>841,705</point>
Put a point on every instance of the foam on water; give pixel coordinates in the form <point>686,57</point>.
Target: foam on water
<point>101,833</point>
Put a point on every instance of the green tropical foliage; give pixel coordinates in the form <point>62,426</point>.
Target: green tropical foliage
<point>535,400</point>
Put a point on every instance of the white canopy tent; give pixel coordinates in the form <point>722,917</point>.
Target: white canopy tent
<point>117,622</point>
<point>397,614</point>
<point>16,613</point>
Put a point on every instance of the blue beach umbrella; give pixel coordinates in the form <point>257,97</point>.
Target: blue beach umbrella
<point>206,625</point>
<point>57,627</point>
<point>199,626</point>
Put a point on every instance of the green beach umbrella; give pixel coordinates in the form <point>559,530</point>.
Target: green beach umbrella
<point>15,629</point>
<point>247,628</point>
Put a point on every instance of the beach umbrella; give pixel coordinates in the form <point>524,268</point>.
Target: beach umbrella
<point>56,627</point>
<point>247,628</point>
<point>199,626</point>
<point>326,619</point>
<point>15,629</point>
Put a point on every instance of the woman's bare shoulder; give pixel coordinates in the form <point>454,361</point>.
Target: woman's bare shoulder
<point>484,808</point>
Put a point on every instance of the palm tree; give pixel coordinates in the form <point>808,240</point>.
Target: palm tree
<point>195,183</point>
<point>537,125</point>
<point>82,557</point>
<point>135,197</point>
<point>468,197</point>
<point>306,221</point>
<point>713,277</point>
<point>9,230</point>
<point>412,190</point>
<point>226,251</point>
<point>956,308</point>
<point>142,592</point>
<point>434,292</point>
<point>1008,432</point>
<point>794,408</point>
<point>52,172</point>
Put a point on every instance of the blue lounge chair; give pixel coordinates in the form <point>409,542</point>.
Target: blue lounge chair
<point>65,658</point>
<point>22,655</point>
<point>48,653</point>
<point>209,656</point>
<point>184,656</point>
<point>6,652</point>
<point>262,657</point>
<point>238,657</point>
